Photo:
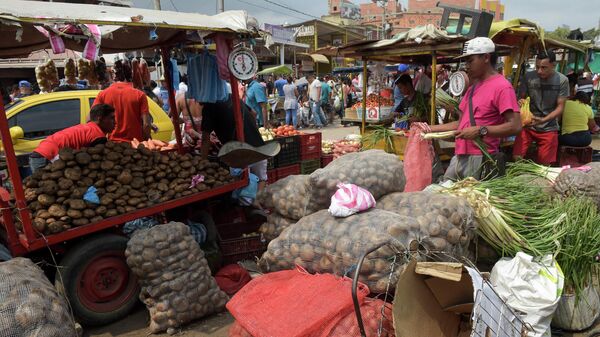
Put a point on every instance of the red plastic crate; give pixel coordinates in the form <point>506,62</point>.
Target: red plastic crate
<point>310,146</point>
<point>288,171</point>
<point>271,176</point>
<point>326,159</point>
<point>574,156</point>
<point>236,244</point>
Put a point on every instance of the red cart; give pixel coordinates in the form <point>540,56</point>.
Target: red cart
<point>91,267</point>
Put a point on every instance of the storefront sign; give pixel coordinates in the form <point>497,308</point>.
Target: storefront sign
<point>280,34</point>
<point>306,31</point>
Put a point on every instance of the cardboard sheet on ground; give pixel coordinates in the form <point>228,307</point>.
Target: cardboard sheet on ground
<point>432,297</point>
<point>240,155</point>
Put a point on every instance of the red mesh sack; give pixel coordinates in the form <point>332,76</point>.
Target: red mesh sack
<point>232,278</point>
<point>293,303</point>
<point>236,330</point>
<point>418,162</point>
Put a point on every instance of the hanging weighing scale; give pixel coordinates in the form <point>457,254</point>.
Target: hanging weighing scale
<point>458,83</point>
<point>243,63</point>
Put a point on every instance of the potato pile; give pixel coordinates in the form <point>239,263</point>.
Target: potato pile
<point>47,76</point>
<point>321,243</point>
<point>177,286</point>
<point>446,222</point>
<point>575,182</point>
<point>70,71</point>
<point>374,170</point>
<point>29,304</point>
<point>275,224</point>
<point>126,179</point>
<point>290,197</point>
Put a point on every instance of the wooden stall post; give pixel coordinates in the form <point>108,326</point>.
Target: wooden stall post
<point>364,97</point>
<point>433,87</point>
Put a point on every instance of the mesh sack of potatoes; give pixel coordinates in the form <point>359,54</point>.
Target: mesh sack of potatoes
<point>446,223</point>
<point>378,172</point>
<point>275,224</point>
<point>289,197</point>
<point>580,183</point>
<point>29,304</point>
<point>321,243</point>
<point>177,286</point>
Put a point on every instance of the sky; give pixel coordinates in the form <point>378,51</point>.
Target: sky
<point>548,13</point>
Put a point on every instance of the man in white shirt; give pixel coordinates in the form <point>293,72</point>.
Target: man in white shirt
<point>314,94</point>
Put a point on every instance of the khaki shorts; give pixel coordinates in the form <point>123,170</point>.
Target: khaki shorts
<point>464,166</point>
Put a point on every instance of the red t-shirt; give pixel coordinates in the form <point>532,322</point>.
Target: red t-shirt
<point>75,137</point>
<point>130,105</point>
<point>491,99</point>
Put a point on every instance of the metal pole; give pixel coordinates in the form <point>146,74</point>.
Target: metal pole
<point>364,97</point>
<point>282,54</point>
<point>433,86</point>
<point>220,6</point>
<point>157,5</point>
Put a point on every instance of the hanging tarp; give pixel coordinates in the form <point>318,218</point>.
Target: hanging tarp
<point>317,58</point>
<point>121,28</point>
<point>278,70</point>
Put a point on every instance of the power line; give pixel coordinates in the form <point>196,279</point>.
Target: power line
<point>177,10</point>
<point>269,9</point>
<point>291,9</point>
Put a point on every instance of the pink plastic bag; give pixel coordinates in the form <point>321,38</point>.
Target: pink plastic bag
<point>350,199</point>
<point>418,161</point>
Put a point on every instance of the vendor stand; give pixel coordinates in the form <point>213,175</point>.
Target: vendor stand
<point>124,29</point>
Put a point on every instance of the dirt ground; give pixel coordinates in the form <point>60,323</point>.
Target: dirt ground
<point>136,324</point>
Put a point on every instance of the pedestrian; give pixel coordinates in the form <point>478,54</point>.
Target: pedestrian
<point>290,105</point>
<point>490,113</point>
<point>14,92</point>
<point>257,101</point>
<point>577,122</point>
<point>132,116</point>
<point>548,90</point>
<point>585,84</point>
<point>163,93</point>
<point>24,89</point>
<point>279,85</point>
<point>314,95</point>
<point>270,86</point>
<point>403,69</point>
<point>326,92</point>
<point>102,122</point>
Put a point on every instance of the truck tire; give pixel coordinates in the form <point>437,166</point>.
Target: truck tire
<point>96,280</point>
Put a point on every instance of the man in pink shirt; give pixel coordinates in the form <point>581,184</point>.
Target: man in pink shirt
<point>495,113</point>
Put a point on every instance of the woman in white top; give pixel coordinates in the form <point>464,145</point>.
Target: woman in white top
<point>290,105</point>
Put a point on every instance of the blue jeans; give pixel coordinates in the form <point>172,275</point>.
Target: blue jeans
<point>318,115</point>
<point>36,163</point>
<point>290,116</point>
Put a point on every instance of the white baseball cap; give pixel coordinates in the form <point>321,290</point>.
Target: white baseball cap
<point>478,46</point>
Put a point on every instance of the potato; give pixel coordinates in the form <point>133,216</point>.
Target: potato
<point>77,204</point>
<point>83,158</point>
<point>94,165</point>
<point>89,213</point>
<point>39,225</point>
<point>66,154</point>
<point>48,187</point>
<point>125,178</point>
<point>106,200</point>
<point>106,165</point>
<point>46,200</point>
<point>97,218</point>
<point>111,213</point>
<point>57,165</point>
<point>113,156</point>
<point>97,149</point>
<point>112,188</point>
<point>137,183</point>
<point>57,211</point>
<point>78,192</point>
<point>73,173</point>
<point>129,209</point>
<point>101,210</point>
<point>81,222</point>
<point>74,214</point>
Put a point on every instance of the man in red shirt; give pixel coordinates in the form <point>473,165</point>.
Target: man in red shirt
<point>132,117</point>
<point>102,122</point>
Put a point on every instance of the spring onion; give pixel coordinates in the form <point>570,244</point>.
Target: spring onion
<point>528,167</point>
<point>377,134</point>
<point>438,135</point>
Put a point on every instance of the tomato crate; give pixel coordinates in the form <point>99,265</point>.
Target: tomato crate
<point>310,146</point>
<point>271,176</point>
<point>290,151</point>
<point>326,159</point>
<point>283,172</point>
<point>240,241</point>
<point>270,163</point>
<point>309,166</point>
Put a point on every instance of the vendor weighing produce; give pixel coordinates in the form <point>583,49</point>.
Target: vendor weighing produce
<point>102,122</point>
<point>489,112</point>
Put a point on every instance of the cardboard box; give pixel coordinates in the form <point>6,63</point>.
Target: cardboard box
<point>440,299</point>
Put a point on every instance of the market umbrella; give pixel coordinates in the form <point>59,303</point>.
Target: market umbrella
<point>278,70</point>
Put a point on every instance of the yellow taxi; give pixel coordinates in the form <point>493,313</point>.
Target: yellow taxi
<point>33,118</point>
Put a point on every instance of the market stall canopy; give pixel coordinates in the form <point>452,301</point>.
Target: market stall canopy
<point>278,70</point>
<point>317,58</point>
<point>122,29</point>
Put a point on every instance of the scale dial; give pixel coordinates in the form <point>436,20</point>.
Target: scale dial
<point>243,63</point>
<point>459,82</point>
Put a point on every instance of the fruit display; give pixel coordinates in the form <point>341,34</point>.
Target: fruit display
<point>285,131</point>
<point>375,101</point>
<point>47,76</point>
<point>327,146</point>
<point>153,145</point>
<point>343,147</point>
<point>177,286</point>
<point>266,134</point>
<point>125,179</point>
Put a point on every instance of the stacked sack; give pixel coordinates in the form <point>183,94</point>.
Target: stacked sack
<point>577,182</point>
<point>177,286</point>
<point>446,222</point>
<point>294,197</point>
<point>321,243</point>
<point>29,303</point>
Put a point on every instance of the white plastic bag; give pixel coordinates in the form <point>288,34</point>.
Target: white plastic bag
<point>531,287</point>
<point>350,199</point>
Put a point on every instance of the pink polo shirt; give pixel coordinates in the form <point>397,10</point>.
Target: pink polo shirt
<point>492,98</point>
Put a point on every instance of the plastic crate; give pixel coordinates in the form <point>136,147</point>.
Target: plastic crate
<point>574,156</point>
<point>309,166</point>
<point>290,151</point>
<point>326,159</point>
<point>310,146</point>
<point>283,172</point>
<point>235,246</point>
<point>270,163</point>
<point>271,176</point>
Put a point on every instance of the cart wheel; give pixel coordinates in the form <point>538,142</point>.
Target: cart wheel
<point>95,278</point>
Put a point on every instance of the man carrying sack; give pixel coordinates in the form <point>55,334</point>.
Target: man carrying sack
<point>488,112</point>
